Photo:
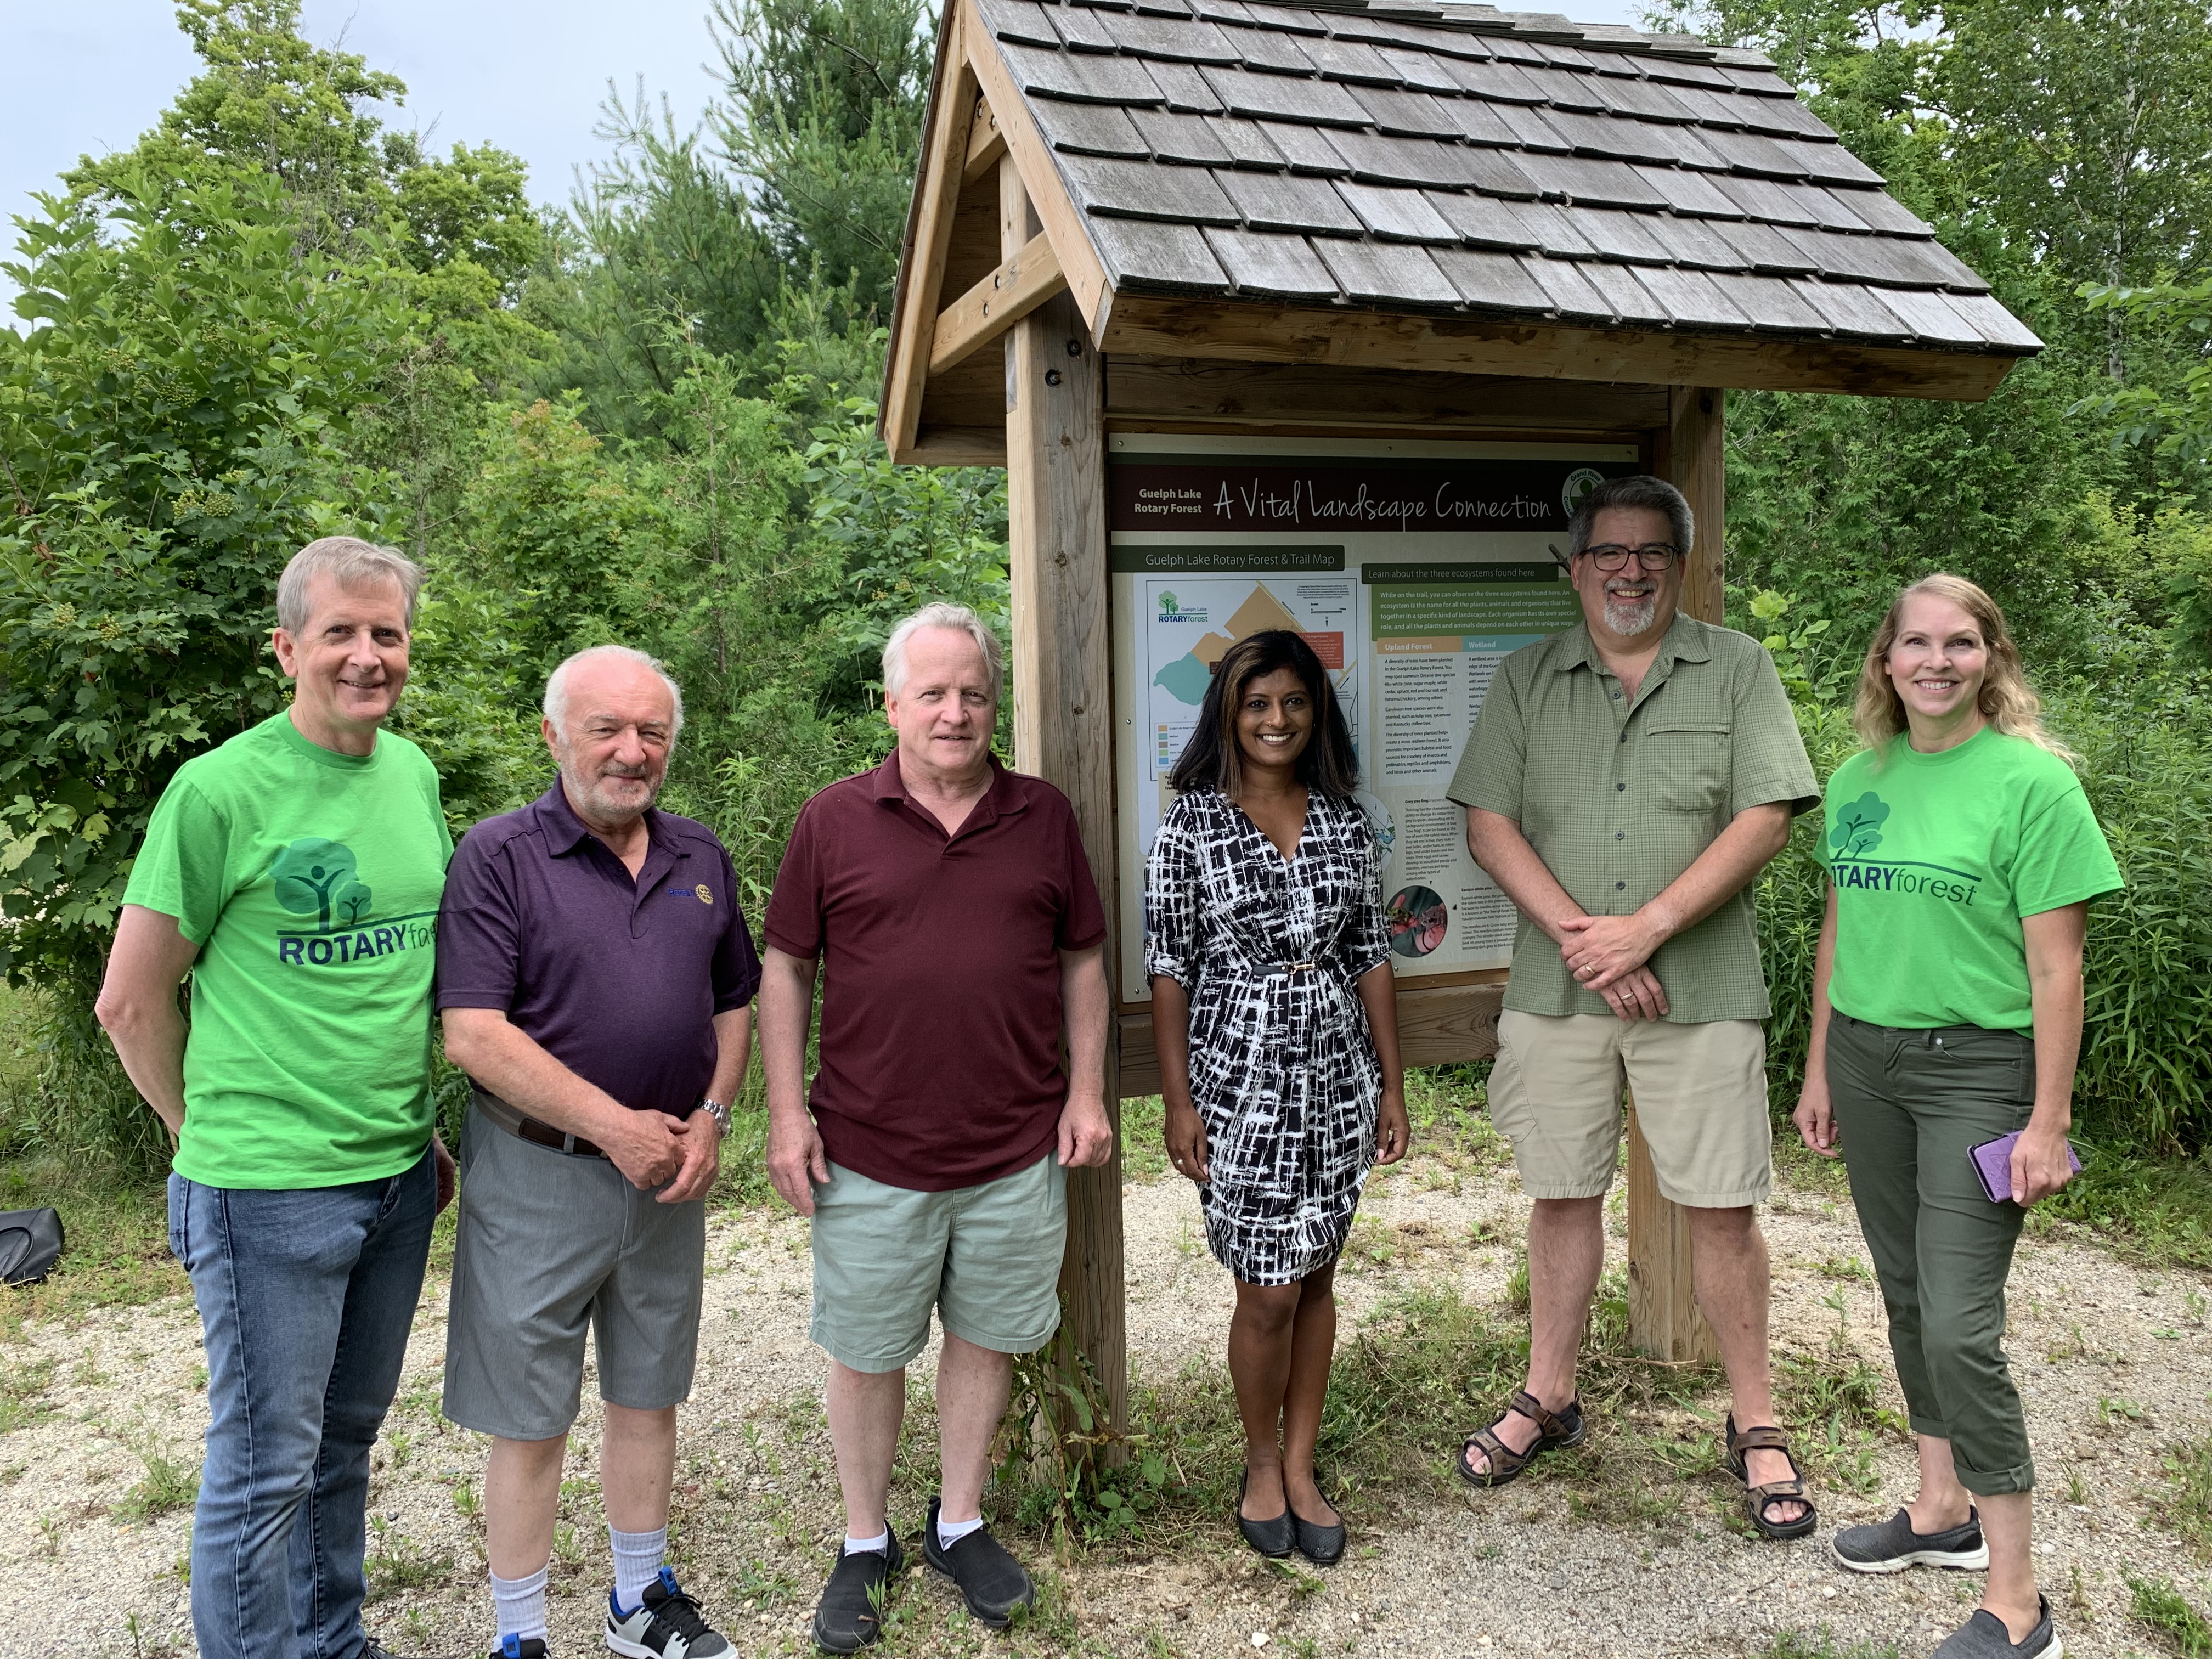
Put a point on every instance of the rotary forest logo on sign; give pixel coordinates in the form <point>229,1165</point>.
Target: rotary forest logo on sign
<point>1171,610</point>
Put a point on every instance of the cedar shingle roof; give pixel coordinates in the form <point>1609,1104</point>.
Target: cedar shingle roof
<point>1455,158</point>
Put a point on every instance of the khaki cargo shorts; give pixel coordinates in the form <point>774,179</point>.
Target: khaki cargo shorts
<point>1700,1093</point>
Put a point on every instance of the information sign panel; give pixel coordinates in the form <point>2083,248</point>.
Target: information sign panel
<point>1413,566</point>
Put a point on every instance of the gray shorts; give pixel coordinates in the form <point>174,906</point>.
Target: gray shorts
<point>550,1243</point>
<point>986,1257</point>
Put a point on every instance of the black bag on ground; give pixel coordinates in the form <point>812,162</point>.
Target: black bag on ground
<point>30,1244</point>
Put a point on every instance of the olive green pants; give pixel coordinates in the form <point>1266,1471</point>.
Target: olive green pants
<point>1909,1104</point>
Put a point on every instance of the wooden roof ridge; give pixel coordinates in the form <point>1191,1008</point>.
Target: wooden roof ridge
<point>1440,187</point>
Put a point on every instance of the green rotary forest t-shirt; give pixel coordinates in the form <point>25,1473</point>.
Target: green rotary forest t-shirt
<point>310,880</point>
<point>1935,859</point>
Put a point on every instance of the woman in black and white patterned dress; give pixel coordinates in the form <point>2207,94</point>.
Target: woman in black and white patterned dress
<point>1276,1021</point>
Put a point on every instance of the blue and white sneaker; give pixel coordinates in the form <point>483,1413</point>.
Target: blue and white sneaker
<point>666,1625</point>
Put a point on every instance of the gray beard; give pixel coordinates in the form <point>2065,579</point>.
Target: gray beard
<point>602,806</point>
<point>1630,618</point>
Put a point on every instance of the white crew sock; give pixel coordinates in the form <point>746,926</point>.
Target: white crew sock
<point>950,1533</point>
<point>880,1544</point>
<point>637,1563</point>
<point>518,1605</point>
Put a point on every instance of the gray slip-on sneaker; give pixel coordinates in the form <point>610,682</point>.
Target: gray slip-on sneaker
<point>1984,1637</point>
<point>1893,1546</point>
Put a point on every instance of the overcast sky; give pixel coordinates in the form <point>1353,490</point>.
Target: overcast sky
<point>88,76</point>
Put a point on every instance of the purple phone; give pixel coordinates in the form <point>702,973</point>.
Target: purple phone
<point>1993,1165</point>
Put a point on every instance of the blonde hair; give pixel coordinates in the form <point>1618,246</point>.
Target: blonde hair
<point>2008,702</point>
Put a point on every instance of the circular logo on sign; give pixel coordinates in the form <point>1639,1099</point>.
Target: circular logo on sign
<point>706,893</point>
<point>1580,482</point>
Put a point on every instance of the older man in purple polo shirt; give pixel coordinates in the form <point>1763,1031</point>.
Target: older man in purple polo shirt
<point>593,975</point>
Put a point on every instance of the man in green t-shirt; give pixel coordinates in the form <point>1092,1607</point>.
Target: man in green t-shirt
<point>294,872</point>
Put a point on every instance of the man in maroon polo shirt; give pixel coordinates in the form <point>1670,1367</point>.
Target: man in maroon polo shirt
<point>951,903</point>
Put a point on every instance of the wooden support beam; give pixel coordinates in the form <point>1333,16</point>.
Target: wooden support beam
<point>1185,389</point>
<point>956,446</point>
<point>1662,1308</point>
<point>1064,707</point>
<point>1024,281</point>
<point>985,144</point>
<point>1155,326</point>
<point>1695,464</point>
<point>929,233</point>
<point>1664,1320</point>
<point>1071,242</point>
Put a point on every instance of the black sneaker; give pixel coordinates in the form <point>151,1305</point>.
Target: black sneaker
<point>850,1614</point>
<point>991,1581</point>
<point>1893,1545</point>
<point>510,1646</point>
<point>666,1625</point>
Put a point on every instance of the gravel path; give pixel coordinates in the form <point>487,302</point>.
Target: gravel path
<point>2115,1364</point>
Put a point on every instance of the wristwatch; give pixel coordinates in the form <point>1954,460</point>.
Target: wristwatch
<point>719,1112</point>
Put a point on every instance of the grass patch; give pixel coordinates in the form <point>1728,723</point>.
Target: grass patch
<point>1144,1138</point>
<point>2183,1504</point>
<point>117,1240</point>
<point>169,1483</point>
<point>1794,1644</point>
<point>24,1392</point>
<point>396,1562</point>
<point>2166,1612</point>
<point>2144,1208</point>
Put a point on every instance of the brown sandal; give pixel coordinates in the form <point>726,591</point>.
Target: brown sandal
<point>1564,1428</point>
<point>1756,1500</point>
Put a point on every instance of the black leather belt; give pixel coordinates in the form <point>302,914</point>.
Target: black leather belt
<point>523,1126</point>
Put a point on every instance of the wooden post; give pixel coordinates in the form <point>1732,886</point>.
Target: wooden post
<point>1662,1308</point>
<point>1064,705</point>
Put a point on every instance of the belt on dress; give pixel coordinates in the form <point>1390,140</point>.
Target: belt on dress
<point>519,1124</point>
<point>1291,968</point>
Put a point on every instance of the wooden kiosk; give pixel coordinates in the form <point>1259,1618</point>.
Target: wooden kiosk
<point>1418,270</point>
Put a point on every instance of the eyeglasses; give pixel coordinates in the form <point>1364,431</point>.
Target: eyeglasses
<point>1610,556</point>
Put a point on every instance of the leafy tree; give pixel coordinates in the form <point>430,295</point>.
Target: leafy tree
<point>553,524</point>
<point>2088,131</point>
<point>825,118</point>
<point>269,102</point>
<point>662,254</point>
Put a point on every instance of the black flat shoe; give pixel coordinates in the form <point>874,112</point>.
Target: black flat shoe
<point>1322,1545</point>
<point>1273,1539</point>
<point>850,1615</point>
<point>994,1585</point>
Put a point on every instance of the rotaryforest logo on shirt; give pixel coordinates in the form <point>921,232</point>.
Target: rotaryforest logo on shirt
<point>321,879</point>
<point>1856,832</point>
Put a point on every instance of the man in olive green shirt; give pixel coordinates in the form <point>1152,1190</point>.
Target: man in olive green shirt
<point>1626,782</point>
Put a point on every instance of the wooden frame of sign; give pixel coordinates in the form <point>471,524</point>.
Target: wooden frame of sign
<point>1015,342</point>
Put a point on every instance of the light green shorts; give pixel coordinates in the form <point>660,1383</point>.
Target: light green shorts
<point>986,1258</point>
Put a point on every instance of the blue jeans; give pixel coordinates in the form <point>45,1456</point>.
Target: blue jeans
<point>306,1297</point>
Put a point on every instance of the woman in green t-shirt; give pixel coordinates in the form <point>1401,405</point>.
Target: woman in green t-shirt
<point>1946,1014</point>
